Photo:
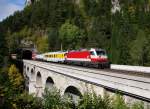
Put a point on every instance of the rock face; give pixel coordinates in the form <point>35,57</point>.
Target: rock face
<point>115,6</point>
<point>29,2</point>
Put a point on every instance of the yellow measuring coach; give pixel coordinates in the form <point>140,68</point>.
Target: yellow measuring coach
<point>54,56</point>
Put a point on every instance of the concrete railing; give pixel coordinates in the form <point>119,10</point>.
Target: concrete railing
<point>131,68</point>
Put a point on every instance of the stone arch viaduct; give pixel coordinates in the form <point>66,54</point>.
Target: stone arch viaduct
<point>77,80</point>
<point>40,78</point>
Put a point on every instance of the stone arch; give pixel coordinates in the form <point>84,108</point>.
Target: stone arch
<point>39,79</point>
<point>27,69</point>
<point>39,87</point>
<point>73,93</point>
<point>32,74</point>
<point>49,83</point>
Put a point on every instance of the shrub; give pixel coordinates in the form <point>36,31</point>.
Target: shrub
<point>119,103</point>
<point>26,101</point>
<point>93,101</point>
<point>53,100</point>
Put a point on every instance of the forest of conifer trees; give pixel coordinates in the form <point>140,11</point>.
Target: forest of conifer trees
<point>51,24</point>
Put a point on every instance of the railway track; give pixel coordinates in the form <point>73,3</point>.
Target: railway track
<point>118,71</point>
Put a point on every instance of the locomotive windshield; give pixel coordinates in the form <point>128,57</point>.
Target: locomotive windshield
<point>99,53</point>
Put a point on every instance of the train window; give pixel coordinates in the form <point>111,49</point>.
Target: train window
<point>92,53</point>
<point>100,52</point>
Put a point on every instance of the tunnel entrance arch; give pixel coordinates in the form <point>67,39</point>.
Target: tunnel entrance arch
<point>26,54</point>
<point>73,93</point>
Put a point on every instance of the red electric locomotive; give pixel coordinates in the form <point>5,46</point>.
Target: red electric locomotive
<point>96,57</point>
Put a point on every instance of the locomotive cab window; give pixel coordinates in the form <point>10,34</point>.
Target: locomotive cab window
<point>99,53</point>
<point>92,53</point>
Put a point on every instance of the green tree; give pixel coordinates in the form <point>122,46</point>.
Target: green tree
<point>138,105</point>
<point>53,40</point>
<point>94,101</point>
<point>11,84</point>
<point>42,44</point>
<point>13,41</point>
<point>26,101</point>
<point>69,35</point>
<point>15,78</point>
<point>53,100</point>
<point>119,103</point>
<point>3,47</point>
<point>138,47</point>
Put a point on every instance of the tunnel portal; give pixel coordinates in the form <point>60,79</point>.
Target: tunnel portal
<point>27,54</point>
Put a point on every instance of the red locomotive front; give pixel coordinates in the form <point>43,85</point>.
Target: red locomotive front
<point>97,57</point>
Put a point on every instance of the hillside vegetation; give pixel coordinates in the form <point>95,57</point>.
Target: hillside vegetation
<point>69,24</point>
